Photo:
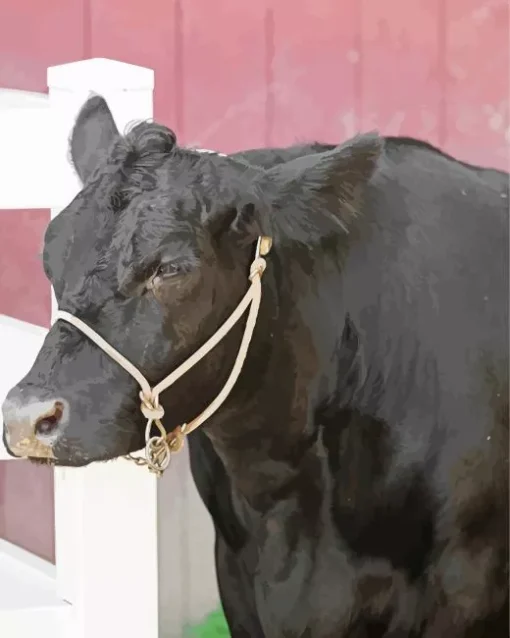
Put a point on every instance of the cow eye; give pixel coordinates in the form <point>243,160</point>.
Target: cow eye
<point>168,270</point>
<point>163,272</point>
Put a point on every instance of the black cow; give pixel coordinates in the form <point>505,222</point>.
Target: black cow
<point>358,473</point>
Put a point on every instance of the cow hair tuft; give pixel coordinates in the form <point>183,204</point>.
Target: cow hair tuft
<point>133,162</point>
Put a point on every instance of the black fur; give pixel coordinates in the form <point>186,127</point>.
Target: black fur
<point>357,476</point>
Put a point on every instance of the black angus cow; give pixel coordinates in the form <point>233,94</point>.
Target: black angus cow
<point>357,474</point>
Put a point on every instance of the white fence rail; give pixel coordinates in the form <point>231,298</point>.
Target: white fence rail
<point>25,131</point>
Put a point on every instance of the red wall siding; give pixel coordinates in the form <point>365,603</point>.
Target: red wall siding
<point>478,74</point>
<point>315,67</point>
<point>140,33</point>
<point>27,509</point>
<point>223,74</point>
<point>36,35</point>
<point>402,77</point>
<point>24,289</point>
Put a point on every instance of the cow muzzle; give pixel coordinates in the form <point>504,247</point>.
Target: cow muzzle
<point>32,426</point>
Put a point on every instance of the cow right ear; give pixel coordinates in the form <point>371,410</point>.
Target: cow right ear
<point>318,194</point>
<point>92,135</point>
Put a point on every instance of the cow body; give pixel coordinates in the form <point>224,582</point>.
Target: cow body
<point>357,475</point>
<point>404,491</point>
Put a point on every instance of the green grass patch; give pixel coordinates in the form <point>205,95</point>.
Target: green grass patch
<point>214,625</point>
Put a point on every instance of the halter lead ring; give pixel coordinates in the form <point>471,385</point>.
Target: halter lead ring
<point>158,449</point>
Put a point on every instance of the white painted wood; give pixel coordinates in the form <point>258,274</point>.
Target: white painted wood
<point>25,134</point>
<point>28,560</point>
<point>17,99</point>
<point>56,621</point>
<point>198,546</point>
<point>104,76</point>
<point>28,597</point>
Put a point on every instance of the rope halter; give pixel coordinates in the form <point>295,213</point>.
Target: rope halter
<point>158,449</point>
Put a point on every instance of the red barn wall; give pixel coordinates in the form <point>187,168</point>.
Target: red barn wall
<point>231,75</point>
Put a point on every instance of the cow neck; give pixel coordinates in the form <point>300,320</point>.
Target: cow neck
<point>158,449</point>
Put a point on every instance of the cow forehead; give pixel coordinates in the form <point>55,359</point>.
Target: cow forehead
<point>153,221</point>
<point>98,233</point>
<point>134,232</point>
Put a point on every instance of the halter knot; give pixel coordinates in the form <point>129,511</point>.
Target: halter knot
<point>257,267</point>
<point>150,408</point>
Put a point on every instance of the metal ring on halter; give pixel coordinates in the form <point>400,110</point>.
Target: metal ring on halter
<point>152,453</point>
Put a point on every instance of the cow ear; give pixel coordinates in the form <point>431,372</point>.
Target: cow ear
<point>322,192</point>
<point>92,136</point>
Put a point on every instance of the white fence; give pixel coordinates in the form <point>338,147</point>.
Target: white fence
<point>133,553</point>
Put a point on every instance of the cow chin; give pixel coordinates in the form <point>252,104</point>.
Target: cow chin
<point>106,442</point>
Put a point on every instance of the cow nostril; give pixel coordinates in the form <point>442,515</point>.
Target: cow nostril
<point>47,424</point>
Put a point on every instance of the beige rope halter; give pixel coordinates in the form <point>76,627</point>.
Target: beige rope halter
<point>158,449</point>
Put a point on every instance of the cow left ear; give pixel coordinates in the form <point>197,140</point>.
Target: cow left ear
<point>321,192</point>
<point>92,135</point>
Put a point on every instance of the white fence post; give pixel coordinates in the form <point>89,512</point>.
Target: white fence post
<point>108,516</point>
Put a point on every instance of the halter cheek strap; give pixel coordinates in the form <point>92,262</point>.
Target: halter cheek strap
<point>158,449</point>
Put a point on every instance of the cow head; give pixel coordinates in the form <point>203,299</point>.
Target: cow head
<point>153,254</point>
